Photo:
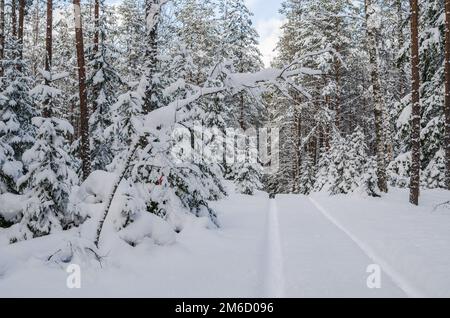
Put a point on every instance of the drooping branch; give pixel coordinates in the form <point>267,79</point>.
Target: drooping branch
<point>137,142</point>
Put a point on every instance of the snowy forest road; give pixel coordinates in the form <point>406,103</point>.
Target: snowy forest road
<point>290,246</point>
<point>318,258</point>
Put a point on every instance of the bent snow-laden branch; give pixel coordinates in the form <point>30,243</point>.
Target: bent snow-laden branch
<point>137,142</point>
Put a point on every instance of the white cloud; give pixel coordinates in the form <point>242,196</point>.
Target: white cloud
<point>250,3</point>
<point>269,32</point>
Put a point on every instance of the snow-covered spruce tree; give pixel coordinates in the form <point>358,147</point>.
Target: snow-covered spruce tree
<point>434,174</point>
<point>346,167</point>
<point>308,176</point>
<point>104,83</point>
<point>248,178</point>
<point>323,174</point>
<point>246,169</point>
<point>344,174</point>
<point>50,175</point>
<point>64,61</point>
<point>127,115</point>
<point>170,189</point>
<point>16,111</point>
<point>239,44</point>
<point>131,33</point>
<point>10,169</point>
<point>48,181</point>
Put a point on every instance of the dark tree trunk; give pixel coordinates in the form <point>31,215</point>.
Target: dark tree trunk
<point>400,44</point>
<point>84,115</point>
<point>47,112</point>
<point>447,93</point>
<point>377,98</point>
<point>415,119</point>
<point>2,36</point>
<point>20,30</point>
<point>96,24</point>
<point>152,17</point>
<point>13,18</point>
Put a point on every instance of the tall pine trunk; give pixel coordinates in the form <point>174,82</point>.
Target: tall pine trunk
<point>47,112</point>
<point>377,97</point>
<point>84,115</point>
<point>415,119</point>
<point>36,34</point>
<point>447,93</point>
<point>13,18</point>
<point>2,36</point>
<point>21,25</point>
<point>152,11</point>
<point>96,24</point>
<point>400,44</point>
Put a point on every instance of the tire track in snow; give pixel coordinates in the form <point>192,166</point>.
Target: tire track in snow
<point>395,276</point>
<point>274,278</point>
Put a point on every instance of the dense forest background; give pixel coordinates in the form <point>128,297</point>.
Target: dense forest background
<point>80,83</point>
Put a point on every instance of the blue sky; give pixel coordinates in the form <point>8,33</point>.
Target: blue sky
<point>267,22</point>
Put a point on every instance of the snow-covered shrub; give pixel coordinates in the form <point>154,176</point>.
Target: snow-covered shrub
<point>399,170</point>
<point>170,188</point>
<point>434,174</point>
<point>308,173</point>
<point>324,171</point>
<point>10,169</point>
<point>247,179</point>
<point>369,177</point>
<point>346,167</point>
<point>11,208</point>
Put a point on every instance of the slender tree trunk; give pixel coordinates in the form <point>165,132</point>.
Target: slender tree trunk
<point>13,18</point>
<point>400,44</point>
<point>2,36</point>
<point>337,78</point>
<point>96,47</point>
<point>415,120</point>
<point>47,112</point>
<point>36,33</point>
<point>152,11</point>
<point>21,25</point>
<point>377,97</point>
<point>96,24</point>
<point>84,115</point>
<point>447,93</point>
<point>36,23</point>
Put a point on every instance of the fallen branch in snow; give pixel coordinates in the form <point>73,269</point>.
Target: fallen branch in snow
<point>444,205</point>
<point>67,254</point>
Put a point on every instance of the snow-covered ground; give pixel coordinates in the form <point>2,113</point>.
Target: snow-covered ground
<point>293,246</point>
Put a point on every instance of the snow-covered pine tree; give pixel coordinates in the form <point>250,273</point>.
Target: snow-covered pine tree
<point>104,83</point>
<point>48,181</point>
<point>131,33</point>
<point>50,175</point>
<point>239,44</point>
<point>16,111</point>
